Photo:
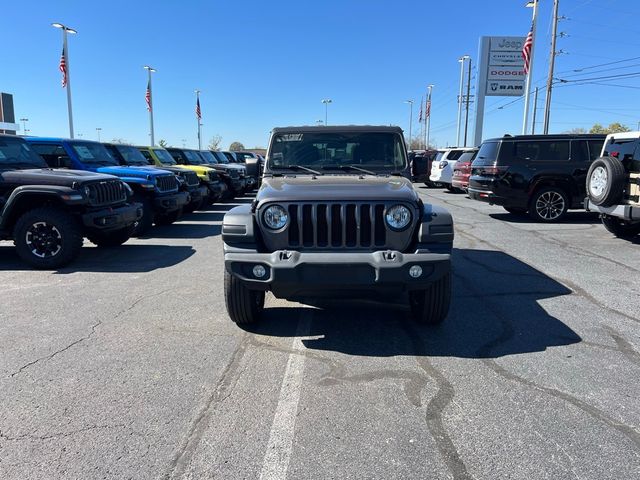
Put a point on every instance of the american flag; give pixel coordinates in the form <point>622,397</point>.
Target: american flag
<point>420,115</point>
<point>198,111</point>
<point>526,50</point>
<point>147,96</point>
<point>63,67</point>
<point>427,109</point>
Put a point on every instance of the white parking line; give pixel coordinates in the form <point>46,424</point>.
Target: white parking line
<point>278,454</point>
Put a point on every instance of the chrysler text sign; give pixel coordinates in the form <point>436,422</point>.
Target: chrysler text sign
<point>505,58</point>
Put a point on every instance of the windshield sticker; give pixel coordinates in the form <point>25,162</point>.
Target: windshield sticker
<point>2,155</point>
<point>291,137</point>
<point>84,152</point>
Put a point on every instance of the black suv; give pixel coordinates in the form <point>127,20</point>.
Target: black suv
<point>47,212</point>
<point>542,175</point>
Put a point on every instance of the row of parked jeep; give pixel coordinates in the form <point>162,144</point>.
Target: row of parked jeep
<point>544,176</point>
<point>55,192</point>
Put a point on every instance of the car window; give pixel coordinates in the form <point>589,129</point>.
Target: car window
<point>467,156</point>
<point>164,156</point>
<point>131,155</point>
<point>488,154</point>
<point>454,154</point>
<point>580,151</point>
<point>93,154</point>
<point>49,152</point>
<point>621,149</point>
<point>595,147</point>
<point>147,155</point>
<point>17,152</point>
<point>208,156</point>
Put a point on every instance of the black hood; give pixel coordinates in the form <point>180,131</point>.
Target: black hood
<point>336,187</point>
<point>45,176</point>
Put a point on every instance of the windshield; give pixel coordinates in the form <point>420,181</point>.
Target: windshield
<point>132,155</point>
<point>93,153</point>
<point>16,152</point>
<point>193,158</point>
<point>164,156</point>
<point>208,156</point>
<point>487,155</point>
<point>318,150</point>
<point>222,158</point>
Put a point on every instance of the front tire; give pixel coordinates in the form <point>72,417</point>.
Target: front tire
<point>244,306</point>
<point>548,205</point>
<point>619,227</point>
<point>431,305</point>
<point>47,238</point>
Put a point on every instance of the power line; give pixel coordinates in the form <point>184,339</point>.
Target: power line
<point>622,75</point>
<point>602,71</point>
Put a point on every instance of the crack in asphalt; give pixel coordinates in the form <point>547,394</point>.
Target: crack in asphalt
<point>221,392</point>
<point>86,337</point>
<point>62,434</point>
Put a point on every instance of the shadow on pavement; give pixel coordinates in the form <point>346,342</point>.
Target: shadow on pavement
<point>495,312</point>
<point>182,230</point>
<point>572,217</point>
<point>127,258</point>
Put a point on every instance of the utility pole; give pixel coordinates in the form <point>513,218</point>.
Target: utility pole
<point>552,59</point>
<point>535,109</point>
<point>466,121</point>
<point>410,102</point>
<point>461,61</point>
<point>428,115</point>
<point>527,88</point>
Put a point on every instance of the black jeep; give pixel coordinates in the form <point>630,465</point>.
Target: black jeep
<point>47,212</point>
<point>336,216</point>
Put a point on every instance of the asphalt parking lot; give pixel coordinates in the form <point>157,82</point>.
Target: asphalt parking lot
<point>125,365</point>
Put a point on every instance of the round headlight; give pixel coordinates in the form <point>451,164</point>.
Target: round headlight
<point>275,217</point>
<point>398,217</point>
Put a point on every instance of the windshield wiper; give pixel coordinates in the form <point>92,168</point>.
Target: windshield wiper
<point>297,167</point>
<point>23,164</point>
<point>351,167</point>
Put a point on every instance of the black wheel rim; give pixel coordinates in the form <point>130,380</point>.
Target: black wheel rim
<point>43,240</point>
<point>550,205</point>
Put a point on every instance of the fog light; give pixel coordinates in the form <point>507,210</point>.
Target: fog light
<point>415,271</point>
<point>259,271</point>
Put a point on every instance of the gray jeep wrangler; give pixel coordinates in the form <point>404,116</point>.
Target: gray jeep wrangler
<point>337,217</point>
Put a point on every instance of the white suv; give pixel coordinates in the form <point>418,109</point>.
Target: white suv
<point>443,165</point>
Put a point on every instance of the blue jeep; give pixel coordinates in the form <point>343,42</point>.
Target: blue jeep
<point>157,190</point>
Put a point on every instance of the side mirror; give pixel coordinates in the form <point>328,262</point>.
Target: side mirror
<point>63,161</point>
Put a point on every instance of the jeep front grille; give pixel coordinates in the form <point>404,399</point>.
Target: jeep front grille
<point>167,183</point>
<point>337,225</point>
<point>191,179</point>
<point>233,173</point>
<point>109,192</point>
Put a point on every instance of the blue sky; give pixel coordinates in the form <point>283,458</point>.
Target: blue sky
<point>261,64</point>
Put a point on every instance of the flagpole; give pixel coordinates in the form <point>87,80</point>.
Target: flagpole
<point>151,132</point>
<point>65,50</point>
<point>460,96</point>
<point>198,118</point>
<point>527,89</point>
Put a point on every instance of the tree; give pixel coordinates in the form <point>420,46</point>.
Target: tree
<point>236,146</point>
<point>417,144</point>
<point>615,127</point>
<point>577,131</point>
<point>214,143</point>
<point>163,143</point>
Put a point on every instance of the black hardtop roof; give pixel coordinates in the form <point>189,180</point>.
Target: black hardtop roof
<point>555,136</point>
<point>338,129</point>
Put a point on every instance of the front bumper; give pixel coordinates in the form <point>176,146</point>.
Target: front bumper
<point>291,274</point>
<point>629,213</point>
<point>216,189</point>
<point>170,203</point>
<point>113,218</point>
<point>198,193</point>
<point>252,182</point>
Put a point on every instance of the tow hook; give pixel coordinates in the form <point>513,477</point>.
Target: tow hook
<point>285,255</point>
<point>389,256</point>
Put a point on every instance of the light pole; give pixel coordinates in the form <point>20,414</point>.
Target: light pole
<point>466,121</point>
<point>98,129</point>
<point>198,117</point>
<point>428,114</point>
<point>410,102</point>
<point>461,60</point>
<point>527,89</point>
<point>24,124</point>
<point>67,69</point>
<point>149,98</point>
<point>326,102</point>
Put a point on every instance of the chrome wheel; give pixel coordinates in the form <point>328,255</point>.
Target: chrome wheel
<point>44,240</point>
<point>598,181</point>
<point>550,205</point>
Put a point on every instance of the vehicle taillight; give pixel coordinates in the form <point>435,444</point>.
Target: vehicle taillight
<point>489,170</point>
<point>443,164</point>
